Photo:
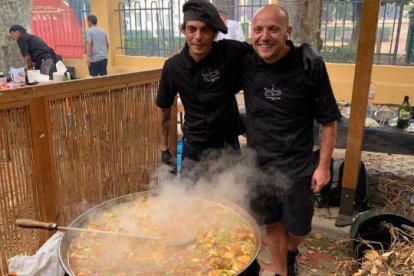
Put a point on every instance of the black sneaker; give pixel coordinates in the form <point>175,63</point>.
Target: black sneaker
<point>291,262</point>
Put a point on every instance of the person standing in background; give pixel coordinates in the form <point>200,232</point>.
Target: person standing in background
<point>35,51</point>
<point>96,48</point>
<point>234,30</point>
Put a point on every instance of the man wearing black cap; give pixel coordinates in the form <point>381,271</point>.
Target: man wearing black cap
<point>34,50</point>
<point>205,75</point>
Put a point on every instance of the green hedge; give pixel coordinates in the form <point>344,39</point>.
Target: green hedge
<point>343,54</point>
<point>346,33</point>
<point>143,43</point>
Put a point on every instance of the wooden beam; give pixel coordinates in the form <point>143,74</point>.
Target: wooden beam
<point>45,189</point>
<point>75,87</point>
<point>362,78</point>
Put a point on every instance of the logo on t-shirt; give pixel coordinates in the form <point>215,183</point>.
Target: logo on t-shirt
<point>211,75</point>
<point>273,93</point>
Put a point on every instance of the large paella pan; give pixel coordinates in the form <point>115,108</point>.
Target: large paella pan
<point>220,237</point>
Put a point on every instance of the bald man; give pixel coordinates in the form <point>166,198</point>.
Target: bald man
<point>282,102</point>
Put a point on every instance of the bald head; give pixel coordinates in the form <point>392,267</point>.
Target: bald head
<point>269,31</point>
<point>274,8</point>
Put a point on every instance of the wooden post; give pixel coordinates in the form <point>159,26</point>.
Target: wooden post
<point>45,190</point>
<point>362,77</point>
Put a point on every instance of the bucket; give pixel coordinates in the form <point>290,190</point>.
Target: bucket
<point>368,226</point>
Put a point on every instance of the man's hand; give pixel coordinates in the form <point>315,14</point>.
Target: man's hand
<point>320,178</point>
<point>167,158</point>
<point>312,62</point>
<point>87,62</point>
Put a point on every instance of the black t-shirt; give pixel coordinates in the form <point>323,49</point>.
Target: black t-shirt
<point>282,104</point>
<point>35,47</point>
<point>206,89</point>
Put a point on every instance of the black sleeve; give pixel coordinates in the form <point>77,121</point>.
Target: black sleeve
<point>236,48</point>
<point>235,52</point>
<point>166,90</point>
<point>325,106</point>
<point>24,48</point>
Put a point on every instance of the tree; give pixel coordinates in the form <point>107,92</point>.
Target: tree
<point>305,18</point>
<point>225,5</point>
<point>12,12</point>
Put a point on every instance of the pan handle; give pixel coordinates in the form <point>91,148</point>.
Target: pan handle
<point>29,223</point>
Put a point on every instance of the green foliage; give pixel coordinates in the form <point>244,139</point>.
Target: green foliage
<point>343,54</point>
<point>400,2</point>
<point>144,43</point>
<point>338,33</point>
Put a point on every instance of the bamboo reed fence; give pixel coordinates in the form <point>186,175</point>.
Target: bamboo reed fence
<point>65,147</point>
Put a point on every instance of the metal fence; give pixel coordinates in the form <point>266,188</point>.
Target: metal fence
<point>152,28</point>
<point>340,27</point>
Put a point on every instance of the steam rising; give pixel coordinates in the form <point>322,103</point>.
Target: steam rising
<point>225,175</point>
<point>219,176</point>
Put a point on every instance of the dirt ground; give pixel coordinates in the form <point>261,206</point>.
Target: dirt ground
<point>318,256</point>
<point>321,255</point>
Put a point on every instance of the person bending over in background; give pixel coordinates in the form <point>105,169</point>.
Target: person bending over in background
<point>34,50</point>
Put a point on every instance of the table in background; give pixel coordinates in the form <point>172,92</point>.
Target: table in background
<point>380,139</point>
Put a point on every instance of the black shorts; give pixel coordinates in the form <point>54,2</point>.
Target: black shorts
<point>292,207</point>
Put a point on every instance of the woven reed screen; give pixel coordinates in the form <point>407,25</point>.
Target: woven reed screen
<point>98,139</point>
<point>105,146</point>
<point>16,178</point>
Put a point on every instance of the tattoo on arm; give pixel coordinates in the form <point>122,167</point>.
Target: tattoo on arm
<point>322,131</point>
<point>327,138</point>
<point>165,127</point>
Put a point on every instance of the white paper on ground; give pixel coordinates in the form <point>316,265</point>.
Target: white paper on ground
<point>44,263</point>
